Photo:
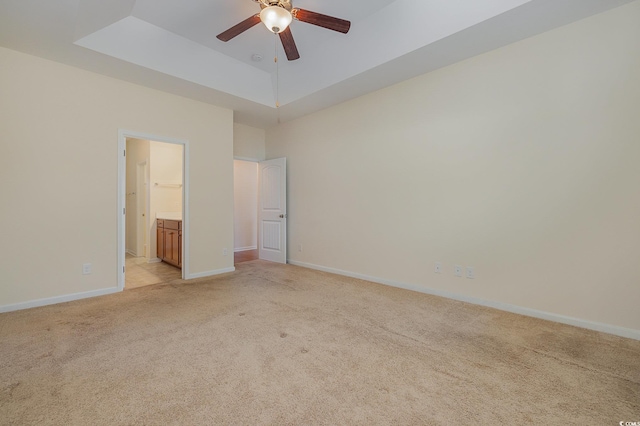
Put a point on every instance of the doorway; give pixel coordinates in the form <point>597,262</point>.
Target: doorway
<point>245,211</point>
<point>153,191</point>
<point>260,219</point>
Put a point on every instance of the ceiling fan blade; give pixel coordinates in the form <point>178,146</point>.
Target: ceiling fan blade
<point>325,21</point>
<point>239,28</point>
<point>289,45</point>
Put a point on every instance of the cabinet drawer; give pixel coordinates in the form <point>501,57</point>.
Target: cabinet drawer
<point>172,224</point>
<point>160,223</point>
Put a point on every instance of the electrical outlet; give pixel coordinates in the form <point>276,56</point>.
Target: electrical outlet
<point>457,270</point>
<point>225,252</point>
<point>86,268</point>
<point>438,268</point>
<point>300,248</point>
<point>471,273</point>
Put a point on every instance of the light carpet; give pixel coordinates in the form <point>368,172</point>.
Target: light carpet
<point>284,345</point>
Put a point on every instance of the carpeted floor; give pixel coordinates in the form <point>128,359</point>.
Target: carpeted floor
<point>276,344</point>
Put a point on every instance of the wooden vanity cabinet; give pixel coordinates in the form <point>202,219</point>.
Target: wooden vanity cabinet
<point>169,236</point>
<point>160,238</point>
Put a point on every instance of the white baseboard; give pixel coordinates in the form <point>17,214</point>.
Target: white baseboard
<point>235,250</point>
<point>131,252</point>
<point>591,325</point>
<point>93,293</point>
<point>154,260</point>
<point>58,299</point>
<point>210,273</point>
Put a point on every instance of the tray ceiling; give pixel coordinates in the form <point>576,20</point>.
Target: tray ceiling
<point>172,46</point>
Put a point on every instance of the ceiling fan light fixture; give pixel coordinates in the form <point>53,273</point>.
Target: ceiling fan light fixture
<point>275,18</point>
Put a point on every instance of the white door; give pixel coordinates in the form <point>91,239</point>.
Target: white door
<point>272,210</point>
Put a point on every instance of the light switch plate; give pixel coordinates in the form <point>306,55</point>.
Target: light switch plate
<point>457,270</point>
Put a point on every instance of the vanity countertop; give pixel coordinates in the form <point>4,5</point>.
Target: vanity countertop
<point>169,215</point>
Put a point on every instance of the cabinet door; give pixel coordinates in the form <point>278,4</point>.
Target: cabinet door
<point>171,246</point>
<point>160,245</point>
<point>175,247</point>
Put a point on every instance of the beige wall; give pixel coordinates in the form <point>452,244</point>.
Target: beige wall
<point>245,184</point>
<point>248,142</point>
<point>523,163</point>
<point>166,177</point>
<point>59,131</point>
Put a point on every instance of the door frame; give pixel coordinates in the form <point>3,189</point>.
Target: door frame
<point>121,201</point>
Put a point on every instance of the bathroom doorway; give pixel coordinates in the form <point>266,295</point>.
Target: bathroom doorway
<point>153,191</point>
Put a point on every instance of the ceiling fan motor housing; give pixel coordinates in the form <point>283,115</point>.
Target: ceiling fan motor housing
<point>285,4</point>
<point>276,15</point>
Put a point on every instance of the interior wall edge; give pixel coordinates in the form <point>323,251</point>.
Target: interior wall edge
<point>94,293</point>
<point>57,299</point>
<point>520,310</point>
<point>210,273</point>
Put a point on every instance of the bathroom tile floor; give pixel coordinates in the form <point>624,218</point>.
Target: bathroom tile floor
<point>139,273</point>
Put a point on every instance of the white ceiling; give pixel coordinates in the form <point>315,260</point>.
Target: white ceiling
<point>172,46</point>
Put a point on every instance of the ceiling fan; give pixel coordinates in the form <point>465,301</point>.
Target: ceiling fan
<point>277,15</point>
